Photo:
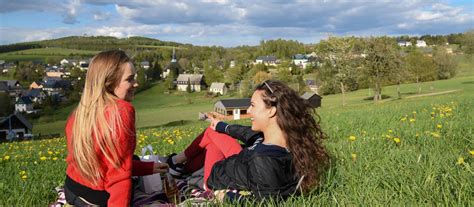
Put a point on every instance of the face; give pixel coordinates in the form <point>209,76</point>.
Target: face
<point>125,90</point>
<point>260,115</point>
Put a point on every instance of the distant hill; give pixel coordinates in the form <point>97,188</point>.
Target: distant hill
<point>92,43</point>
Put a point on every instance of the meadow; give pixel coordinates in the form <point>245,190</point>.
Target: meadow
<point>42,54</point>
<point>415,151</point>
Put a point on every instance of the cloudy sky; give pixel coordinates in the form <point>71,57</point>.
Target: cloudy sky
<point>231,22</point>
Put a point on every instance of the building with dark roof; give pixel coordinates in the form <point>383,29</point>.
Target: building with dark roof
<point>232,107</point>
<point>14,126</point>
<point>313,99</point>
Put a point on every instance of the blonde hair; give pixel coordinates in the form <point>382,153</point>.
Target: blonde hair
<point>96,118</point>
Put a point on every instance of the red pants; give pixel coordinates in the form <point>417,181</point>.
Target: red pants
<point>209,148</point>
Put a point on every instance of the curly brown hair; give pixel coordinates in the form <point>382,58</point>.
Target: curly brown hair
<point>303,133</point>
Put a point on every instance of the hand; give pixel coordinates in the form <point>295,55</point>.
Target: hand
<point>213,121</point>
<point>160,167</point>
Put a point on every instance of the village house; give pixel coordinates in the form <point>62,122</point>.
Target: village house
<point>14,126</point>
<point>4,87</point>
<point>218,88</point>
<point>145,64</point>
<point>232,109</point>
<point>196,81</point>
<point>55,86</point>
<point>13,87</point>
<point>403,43</point>
<point>313,99</point>
<point>36,95</point>
<point>420,43</point>
<point>268,60</point>
<point>36,84</point>
<point>24,104</point>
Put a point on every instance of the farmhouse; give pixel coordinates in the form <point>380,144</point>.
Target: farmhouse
<point>218,88</point>
<point>232,108</point>
<point>196,82</point>
<point>14,126</point>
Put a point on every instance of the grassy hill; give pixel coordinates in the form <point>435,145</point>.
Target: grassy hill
<point>41,54</point>
<point>415,151</point>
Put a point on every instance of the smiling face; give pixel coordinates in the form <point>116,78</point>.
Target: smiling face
<point>125,89</point>
<point>260,114</point>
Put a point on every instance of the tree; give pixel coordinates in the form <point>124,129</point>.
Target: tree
<point>468,42</point>
<point>212,74</point>
<point>420,67</point>
<point>284,75</point>
<point>5,104</point>
<point>188,88</point>
<point>260,77</point>
<point>235,74</point>
<point>169,81</point>
<point>153,73</point>
<point>337,56</point>
<point>445,63</point>
<point>381,61</point>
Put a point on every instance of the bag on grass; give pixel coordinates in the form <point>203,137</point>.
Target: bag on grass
<point>150,183</point>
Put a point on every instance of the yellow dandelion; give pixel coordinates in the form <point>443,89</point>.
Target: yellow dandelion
<point>50,153</point>
<point>354,156</point>
<point>403,119</point>
<point>55,158</point>
<point>471,152</point>
<point>460,161</point>
<point>390,131</point>
<point>414,112</point>
<point>24,177</point>
<point>22,172</point>
<point>7,157</point>
<point>43,158</point>
<point>412,120</point>
<point>352,138</point>
<point>439,126</point>
<point>396,140</point>
<point>435,134</point>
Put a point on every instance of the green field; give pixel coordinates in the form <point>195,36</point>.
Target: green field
<point>43,53</point>
<point>417,151</point>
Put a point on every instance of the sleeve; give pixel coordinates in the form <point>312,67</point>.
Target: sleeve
<point>141,168</point>
<point>242,133</point>
<point>118,181</point>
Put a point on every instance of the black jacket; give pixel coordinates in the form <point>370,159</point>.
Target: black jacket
<point>265,170</point>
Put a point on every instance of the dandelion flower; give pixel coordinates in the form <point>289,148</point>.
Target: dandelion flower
<point>55,158</point>
<point>439,126</point>
<point>22,172</point>
<point>390,131</point>
<point>354,156</point>
<point>412,120</point>
<point>6,157</point>
<point>460,161</point>
<point>43,158</point>
<point>471,152</point>
<point>435,134</point>
<point>24,177</point>
<point>396,140</point>
<point>352,138</point>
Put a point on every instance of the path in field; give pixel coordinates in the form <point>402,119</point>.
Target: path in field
<point>434,94</point>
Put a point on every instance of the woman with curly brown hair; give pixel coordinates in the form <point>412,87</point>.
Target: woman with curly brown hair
<point>284,148</point>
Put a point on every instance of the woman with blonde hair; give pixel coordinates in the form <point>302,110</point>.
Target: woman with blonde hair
<point>101,136</point>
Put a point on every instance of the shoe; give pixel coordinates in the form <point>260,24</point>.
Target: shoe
<point>175,170</point>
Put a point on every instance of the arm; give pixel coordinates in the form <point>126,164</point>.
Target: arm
<point>242,133</point>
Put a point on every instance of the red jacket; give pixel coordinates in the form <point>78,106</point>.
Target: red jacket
<point>117,182</point>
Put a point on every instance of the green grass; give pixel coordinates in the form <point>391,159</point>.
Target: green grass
<point>43,53</point>
<point>423,169</point>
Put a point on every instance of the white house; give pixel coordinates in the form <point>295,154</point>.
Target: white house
<point>236,108</point>
<point>420,43</point>
<point>404,43</point>
<point>300,60</point>
<point>24,104</point>
<point>195,80</point>
<point>267,60</point>
<point>218,88</point>
<point>64,62</point>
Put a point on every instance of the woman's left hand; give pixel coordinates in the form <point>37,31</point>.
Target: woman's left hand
<point>160,167</point>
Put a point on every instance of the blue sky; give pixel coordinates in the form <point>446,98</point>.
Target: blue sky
<point>231,23</point>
